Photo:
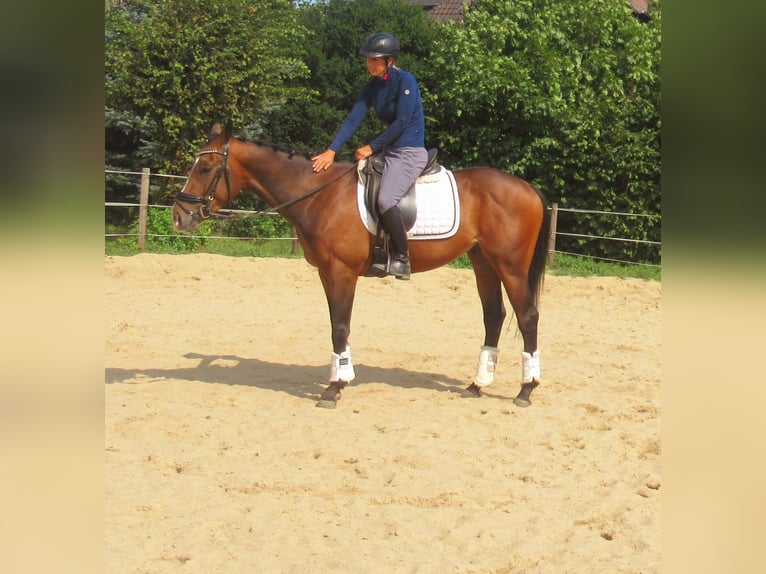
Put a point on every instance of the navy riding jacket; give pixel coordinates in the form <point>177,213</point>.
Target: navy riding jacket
<point>396,99</point>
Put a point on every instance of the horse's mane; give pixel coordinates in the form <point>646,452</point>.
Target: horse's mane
<point>285,149</point>
<point>291,152</point>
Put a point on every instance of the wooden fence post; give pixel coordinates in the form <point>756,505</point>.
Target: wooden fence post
<point>552,234</point>
<point>143,202</point>
<point>295,243</point>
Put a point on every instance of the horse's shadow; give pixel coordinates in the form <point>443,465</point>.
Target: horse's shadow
<point>303,381</point>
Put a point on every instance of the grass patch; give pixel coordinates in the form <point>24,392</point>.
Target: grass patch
<point>232,247</point>
<point>581,266</point>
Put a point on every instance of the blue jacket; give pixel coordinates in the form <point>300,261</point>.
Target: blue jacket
<point>397,102</point>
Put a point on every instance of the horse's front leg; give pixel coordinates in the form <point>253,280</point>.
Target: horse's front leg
<point>340,286</point>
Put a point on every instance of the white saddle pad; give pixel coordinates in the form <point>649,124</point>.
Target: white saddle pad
<point>437,202</point>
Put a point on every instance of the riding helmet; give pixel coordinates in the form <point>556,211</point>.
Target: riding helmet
<point>380,44</point>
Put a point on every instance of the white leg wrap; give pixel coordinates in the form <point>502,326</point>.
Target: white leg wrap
<point>341,367</point>
<point>485,370</point>
<point>530,367</point>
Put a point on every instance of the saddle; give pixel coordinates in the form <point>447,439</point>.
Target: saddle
<point>373,171</point>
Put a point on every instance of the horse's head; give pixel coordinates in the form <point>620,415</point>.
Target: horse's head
<point>208,186</point>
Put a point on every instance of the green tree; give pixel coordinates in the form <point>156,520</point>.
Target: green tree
<point>175,66</point>
<point>564,94</point>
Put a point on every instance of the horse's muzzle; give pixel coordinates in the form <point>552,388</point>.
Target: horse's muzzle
<point>185,220</point>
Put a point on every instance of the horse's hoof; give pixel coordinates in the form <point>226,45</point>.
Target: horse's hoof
<point>331,395</point>
<point>474,389</point>
<point>522,399</point>
<point>325,404</point>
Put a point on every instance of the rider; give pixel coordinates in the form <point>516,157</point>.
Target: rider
<point>395,95</point>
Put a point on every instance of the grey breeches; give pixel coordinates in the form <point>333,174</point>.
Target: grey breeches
<point>402,166</point>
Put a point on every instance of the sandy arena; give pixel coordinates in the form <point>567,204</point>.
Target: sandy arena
<point>217,460</point>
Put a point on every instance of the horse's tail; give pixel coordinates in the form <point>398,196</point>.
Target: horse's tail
<point>536,273</point>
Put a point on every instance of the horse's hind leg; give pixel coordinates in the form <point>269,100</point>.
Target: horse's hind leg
<point>491,295</point>
<point>489,282</point>
<point>523,303</point>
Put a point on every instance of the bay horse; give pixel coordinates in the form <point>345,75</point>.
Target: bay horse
<point>504,227</point>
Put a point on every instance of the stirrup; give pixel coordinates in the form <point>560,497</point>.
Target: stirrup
<point>391,266</point>
<point>379,269</point>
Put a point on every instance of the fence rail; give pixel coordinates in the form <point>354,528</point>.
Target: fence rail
<point>143,205</point>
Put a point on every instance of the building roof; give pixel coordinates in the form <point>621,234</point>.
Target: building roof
<point>640,6</point>
<point>442,10</point>
<point>641,9</point>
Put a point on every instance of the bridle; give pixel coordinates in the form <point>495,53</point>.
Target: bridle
<point>204,211</point>
<point>206,199</point>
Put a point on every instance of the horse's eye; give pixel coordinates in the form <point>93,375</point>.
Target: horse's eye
<point>205,169</point>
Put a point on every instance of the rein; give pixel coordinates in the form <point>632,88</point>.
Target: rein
<point>276,208</point>
<point>223,169</point>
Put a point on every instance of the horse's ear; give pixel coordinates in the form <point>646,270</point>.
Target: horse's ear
<point>215,131</point>
<point>229,130</point>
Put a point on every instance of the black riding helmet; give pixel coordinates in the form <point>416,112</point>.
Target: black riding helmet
<point>380,44</point>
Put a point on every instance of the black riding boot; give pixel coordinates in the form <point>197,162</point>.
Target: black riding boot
<point>400,260</point>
